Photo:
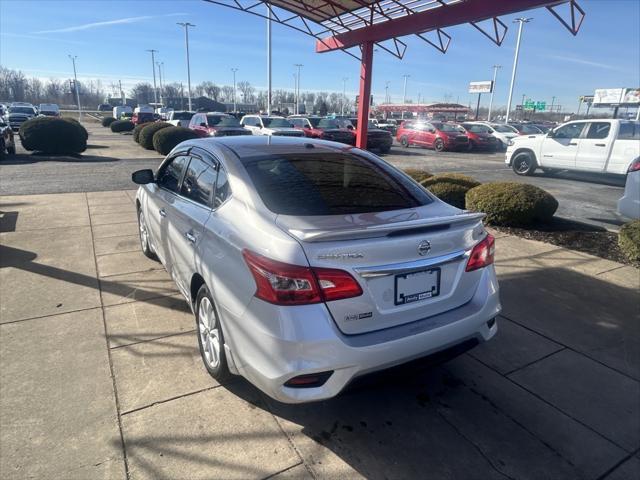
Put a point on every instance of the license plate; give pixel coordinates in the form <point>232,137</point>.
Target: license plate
<point>416,286</point>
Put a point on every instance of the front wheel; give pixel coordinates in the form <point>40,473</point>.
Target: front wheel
<point>404,141</point>
<point>144,236</point>
<point>11,150</point>
<point>524,164</point>
<point>210,337</point>
<point>438,145</point>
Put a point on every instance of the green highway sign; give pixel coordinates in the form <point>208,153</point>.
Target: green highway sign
<point>536,106</point>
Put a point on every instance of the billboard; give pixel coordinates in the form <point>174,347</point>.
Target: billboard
<point>481,87</point>
<point>631,96</point>
<point>607,96</point>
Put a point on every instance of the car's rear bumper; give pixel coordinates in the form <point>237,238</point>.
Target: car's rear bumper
<point>270,345</point>
<point>629,204</point>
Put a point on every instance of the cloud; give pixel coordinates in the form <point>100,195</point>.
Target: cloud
<point>588,63</point>
<point>40,38</point>
<point>118,21</point>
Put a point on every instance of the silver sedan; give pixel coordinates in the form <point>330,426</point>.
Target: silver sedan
<point>310,263</point>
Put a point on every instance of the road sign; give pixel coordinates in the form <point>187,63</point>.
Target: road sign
<point>535,106</point>
<point>481,87</point>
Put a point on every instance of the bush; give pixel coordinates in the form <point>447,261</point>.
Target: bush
<point>77,124</point>
<point>138,128</point>
<point>121,126</point>
<point>106,121</point>
<point>53,135</point>
<point>512,204</point>
<point>145,139</point>
<point>450,187</point>
<point>166,139</point>
<point>417,174</point>
<point>629,240</point>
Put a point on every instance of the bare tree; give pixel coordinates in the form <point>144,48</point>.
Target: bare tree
<point>247,90</point>
<point>226,93</point>
<point>142,92</point>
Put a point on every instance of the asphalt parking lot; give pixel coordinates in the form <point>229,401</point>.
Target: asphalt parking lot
<point>111,158</point>
<point>100,374</point>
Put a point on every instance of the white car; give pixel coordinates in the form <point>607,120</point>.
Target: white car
<point>270,125</point>
<point>504,134</point>
<point>629,204</point>
<point>308,263</point>
<point>180,118</point>
<point>599,146</point>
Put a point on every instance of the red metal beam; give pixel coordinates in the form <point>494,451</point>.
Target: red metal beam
<point>441,17</point>
<point>366,72</point>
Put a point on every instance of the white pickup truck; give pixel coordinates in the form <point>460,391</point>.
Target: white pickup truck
<point>179,118</point>
<point>601,146</point>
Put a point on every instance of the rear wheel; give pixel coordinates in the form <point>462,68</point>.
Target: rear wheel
<point>144,236</point>
<point>438,145</point>
<point>210,337</point>
<point>404,141</point>
<point>523,164</point>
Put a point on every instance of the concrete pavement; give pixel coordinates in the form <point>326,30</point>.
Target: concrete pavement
<point>100,375</point>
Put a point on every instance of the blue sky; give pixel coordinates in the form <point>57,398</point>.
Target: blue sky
<point>110,39</point>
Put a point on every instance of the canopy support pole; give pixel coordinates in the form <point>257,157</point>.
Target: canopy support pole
<point>366,72</point>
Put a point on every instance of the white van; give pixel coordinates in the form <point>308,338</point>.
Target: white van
<point>120,110</point>
<point>49,109</point>
<point>602,146</point>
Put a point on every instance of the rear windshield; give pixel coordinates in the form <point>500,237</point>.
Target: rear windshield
<point>327,123</point>
<point>276,122</point>
<point>182,115</point>
<point>222,121</point>
<point>504,129</point>
<point>476,128</point>
<point>629,131</point>
<point>331,184</point>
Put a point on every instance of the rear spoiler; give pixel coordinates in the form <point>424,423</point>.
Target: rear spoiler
<point>387,229</point>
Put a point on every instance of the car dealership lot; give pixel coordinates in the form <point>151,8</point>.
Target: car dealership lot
<point>101,376</point>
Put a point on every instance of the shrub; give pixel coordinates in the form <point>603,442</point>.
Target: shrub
<point>417,174</point>
<point>121,126</point>
<point>166,139</point>
<point>145,138</point>
<point>629,240</point>
<point>512,204</point>
<point>78,124</point>
<point>137,129</point>
<point>450,187</point>
<point>106,121</point>
<point>53,135</point>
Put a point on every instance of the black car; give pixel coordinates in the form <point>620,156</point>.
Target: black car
<point>377,138</point>
<point>105,107</point>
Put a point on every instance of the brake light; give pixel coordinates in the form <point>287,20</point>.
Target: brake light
<point>482,254</point>
<point>635,165</point>
<point>285,284</point>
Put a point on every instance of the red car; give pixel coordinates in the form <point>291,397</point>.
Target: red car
<point>142,117</point>
<point>437,135</point>
<point>323,128</point>
<point>480,137</point>
<point>216,125</point>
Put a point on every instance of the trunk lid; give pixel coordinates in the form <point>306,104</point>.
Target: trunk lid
<point>409,263</point>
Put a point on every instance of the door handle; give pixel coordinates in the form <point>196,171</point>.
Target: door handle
<point>162,212</point>
<point>601,144</point>
<point>190,236</point>
<point>573,144</point>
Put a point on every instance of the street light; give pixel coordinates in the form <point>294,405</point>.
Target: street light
<point>153,67</point>
<point>75,80</point>
<point>159,64</point>
<point>299,65</point>
<point>404,94</point>
<point>344,93</point>
<point>493,90</point>
<point>521,22</point>
<point>386,92</point>
<point>522,106</point>
<point>235,105</point>
<point>186,26</point>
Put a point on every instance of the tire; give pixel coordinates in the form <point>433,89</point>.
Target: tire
<point>404,141</point>
<point>11,150</point>
<point>210,336</point>
<point>143,232</point>
<point>523,164</point>
<point>438,145</point>
<point>3,153</point>
<point>470,147</point>
<point>385,149</point>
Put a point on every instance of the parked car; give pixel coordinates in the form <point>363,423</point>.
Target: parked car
<point>323,128</point>
<point>163,112</point>
<point>629,204</point>
<point>480,137</point>
<point>526,129</point>
<point>18,114</point>
<point>216,124</point>
<point>391,125</point>
<point>437,135</point>
<point>143,114</point>
<point>270,125</point>
<point>307,265</point>
<point>119,111</point>
<point>7,139</point>
<point>105,107</point>
<point>49,109</point>
<point>603,146</point>
<point>504,133</point>
<point>180,118</point>
<point>377,139</point>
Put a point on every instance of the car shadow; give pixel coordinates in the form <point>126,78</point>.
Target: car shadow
<point>24,159</point>
<point>585,177</point>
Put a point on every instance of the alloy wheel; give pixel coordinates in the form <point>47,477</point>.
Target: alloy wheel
<point>209,333</point>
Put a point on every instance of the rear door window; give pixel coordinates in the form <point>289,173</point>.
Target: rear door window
<point>629,131</point>
<point>171,173</point>
<point>598,130</point>
<point>222,188</point>
<point>198,182</point>
<point>331,184</point>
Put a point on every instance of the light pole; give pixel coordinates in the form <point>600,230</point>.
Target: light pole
<point>521,22</point>
<point>235,105</point>
<point>159,64</point>
<point>153,67</point>
<point>344,93</point>
<point>553,100</point>
<point>493,90</point>
<point>299,66</point>
<point>186,26</point>
<point>404,94</point>
<point>268,60</point>
<point>522,106</point>
<point>386,92</point>
<point>75,82</point>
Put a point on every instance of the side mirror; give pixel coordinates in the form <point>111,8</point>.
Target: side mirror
<point>143,177</point>
<point>350,127</point>
<point>551,134</point>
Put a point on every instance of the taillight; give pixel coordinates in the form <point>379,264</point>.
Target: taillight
<point>482,254</point>
<point>635,165</point>
<point>285,284</point>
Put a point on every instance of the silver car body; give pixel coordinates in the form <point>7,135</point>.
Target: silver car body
<point>629,204</point>
<point>270,344</point>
